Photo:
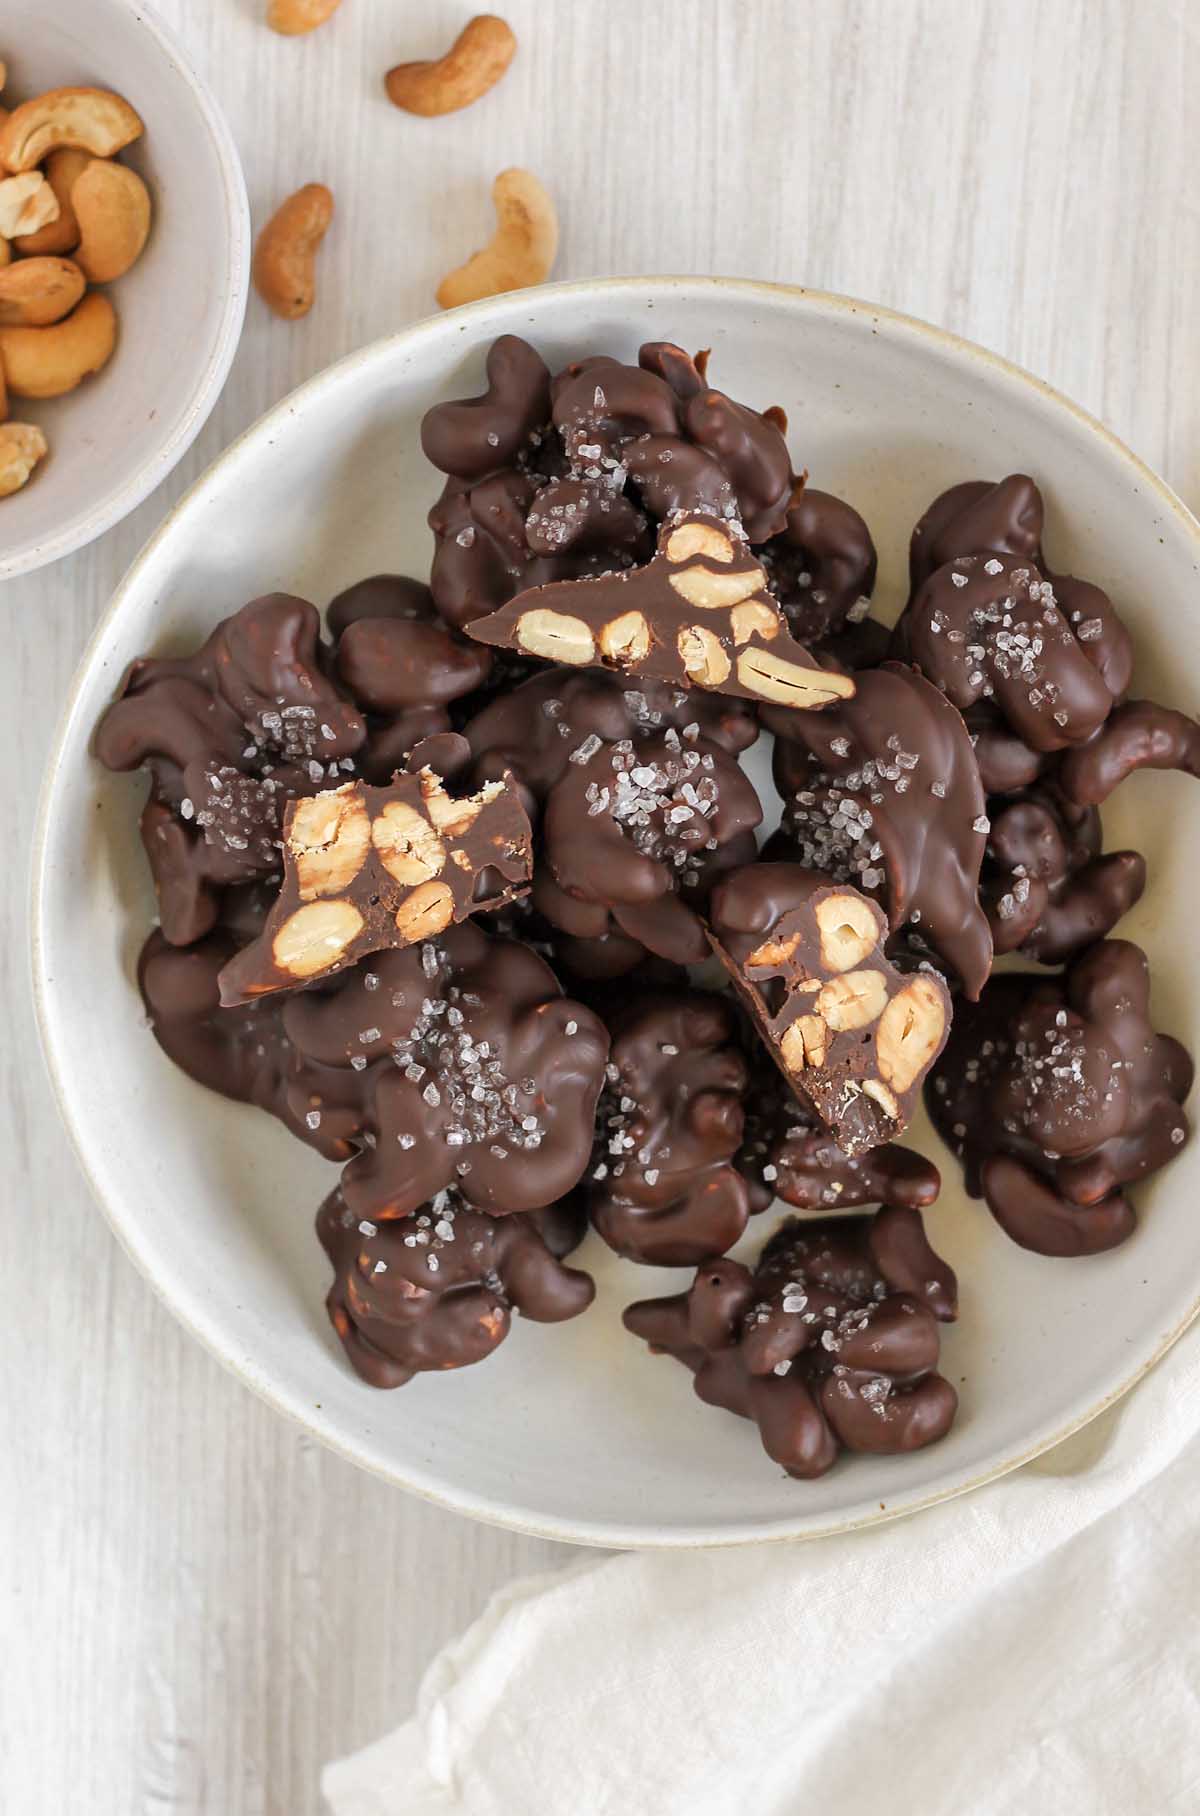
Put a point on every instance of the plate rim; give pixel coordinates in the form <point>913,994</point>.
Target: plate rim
<point>622,1535</point>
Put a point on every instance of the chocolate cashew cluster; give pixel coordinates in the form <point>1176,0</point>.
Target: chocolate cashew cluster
<point>883,792</point>
<point>1057,1093</point>
<point>661,1187</point>
<point>1039,662</point>
<point>491,1081</point>
<point>438,1289</point>
<point>644,827</point>
<point>1048,889</point>
<point>565,478</point>
<point>831,1342</point>
<point>405,667</point>
<point>229,736</point>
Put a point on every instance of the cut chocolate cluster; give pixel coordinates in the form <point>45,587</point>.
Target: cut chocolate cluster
<point>377,856</point>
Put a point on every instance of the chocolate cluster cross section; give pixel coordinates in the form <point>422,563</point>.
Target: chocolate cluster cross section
<point>854,1036</point>
<point>700,614</point>
<point>367,868</point>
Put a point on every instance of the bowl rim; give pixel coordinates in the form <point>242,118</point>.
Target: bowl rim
<point>491,1510</point>
<point>93,520</point>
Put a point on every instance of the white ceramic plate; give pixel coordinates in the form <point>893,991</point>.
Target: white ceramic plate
<point>575,1432</point>
<point>181,307</point>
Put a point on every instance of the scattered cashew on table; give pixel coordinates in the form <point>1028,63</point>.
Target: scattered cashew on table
<point>523,247</point>
<point>70,217</point>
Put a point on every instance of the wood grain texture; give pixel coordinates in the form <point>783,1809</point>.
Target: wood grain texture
<point>199,1605</point>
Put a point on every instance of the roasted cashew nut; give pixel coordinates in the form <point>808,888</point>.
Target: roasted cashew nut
<point>46,362</point>
<point>27,203</point>
<point>112,208</point>
<point>36,292</point>
<point>90,119</point>
<point>63,169</point>
<point>292,18</point>
<point>474,63</point>
<point>287,248</point>
<point>522,250</point>
<point>21,447</point>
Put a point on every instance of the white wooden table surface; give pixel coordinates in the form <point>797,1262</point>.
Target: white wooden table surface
<point>199,1605</point>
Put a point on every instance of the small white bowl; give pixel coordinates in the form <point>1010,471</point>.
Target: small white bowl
<point>576,1432</point>
<point>181,307</point>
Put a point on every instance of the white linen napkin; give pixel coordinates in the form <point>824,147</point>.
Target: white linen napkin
<point>1030,1648</point>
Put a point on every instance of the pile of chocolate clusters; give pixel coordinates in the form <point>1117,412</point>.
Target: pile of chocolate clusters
<point>430,884</point>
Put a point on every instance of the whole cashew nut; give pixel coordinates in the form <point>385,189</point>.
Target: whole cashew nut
<point>287,250</point>
<point>522,250</point>
<point>90,119</point>
<point>27,202</point>
<point>21,447</point>
<point>112,207</point>
<point>63,169</point>
<point>474,63</point>
<point>292,18</point>
<point>36,292</point>
<point>46,362</point>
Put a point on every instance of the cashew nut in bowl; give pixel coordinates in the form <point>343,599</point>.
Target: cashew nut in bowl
<point>36,292</point>
<point>27,202</point>
<point>63,168</point>
<point>522,249</point>
<point>21,447</point>
<point>474,63</point>
<point>112,207</point>
<point>293,18</point>
<point>287,249</point>
<point>5,253</point>
<point>46,362</point>
<point>90,119</point>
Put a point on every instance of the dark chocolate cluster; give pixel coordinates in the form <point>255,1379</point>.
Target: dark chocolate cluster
<point>829,1343</point>
<point>1057,1093</point>
<point>377,854</point>
<point>662,1186</point>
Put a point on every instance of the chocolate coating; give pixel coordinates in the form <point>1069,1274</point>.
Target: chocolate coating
<point>534,730</point>
<point>645,826</point>
<point>437,1290</point>
<point>1136,735</point>
<point>474,436</point>
<point>494,1079</point>
<point>1048,890</point>
<point>821,566</point>
<point>991,628</point>
<point>661,1187</point>
<point>229,736</point>
<point>1056,1093</point>
<point>245,1054</point>
<point>978,517</point>
<point>786,1154</point>
<point>830,1343</point>
<point>883,792</point>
